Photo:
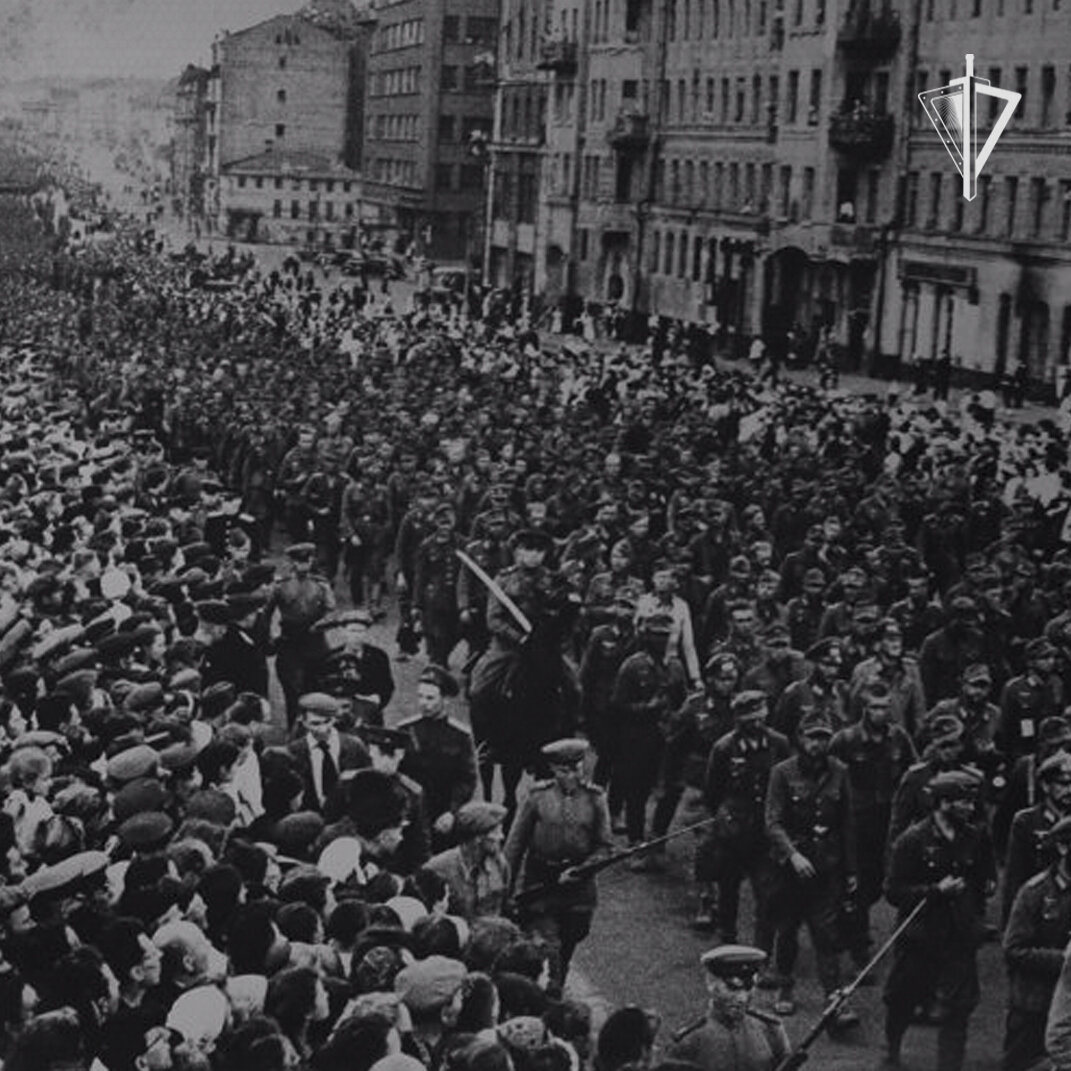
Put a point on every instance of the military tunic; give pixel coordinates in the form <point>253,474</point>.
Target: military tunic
<point>755,1042</point>
<point>552,832</point>
<point>442,760</point>
<point>301,602</point>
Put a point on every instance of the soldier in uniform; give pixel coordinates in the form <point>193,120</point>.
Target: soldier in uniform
<point>734,1036</point>
<point>878,752</point>
<point>1054,734</point>
<point>493,555</point>
<point>811,828</point>
<point>805,610</point>
<point>1029,847</point>
<point>900,673</point>
<point>344,663</point>
<point>414,527</point>
<point>917,613</point>
<point>737,777</point>
<point>649,688</point>
<point>1028,699</point>
<point>302,599</point>
<point>435,576</point>
<point>946,859</point>
<point>441,757</point>
<point>820,690</point>
<point>562,823</point>
<point>1038,931</point>
<point>297,466</point>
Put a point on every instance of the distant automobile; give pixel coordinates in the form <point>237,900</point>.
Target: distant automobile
<point>384,264</point>
<point>353,264</point>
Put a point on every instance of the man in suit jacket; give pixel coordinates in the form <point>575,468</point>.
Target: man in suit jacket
<point>237,656</point>
<point>321,753</point>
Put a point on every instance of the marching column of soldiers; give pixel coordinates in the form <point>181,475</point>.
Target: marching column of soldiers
<point>830,630</point>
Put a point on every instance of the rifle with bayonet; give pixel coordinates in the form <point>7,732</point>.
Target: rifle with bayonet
<point>586,870</point>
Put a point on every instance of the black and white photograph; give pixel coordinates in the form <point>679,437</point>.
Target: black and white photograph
<point>535,535</point>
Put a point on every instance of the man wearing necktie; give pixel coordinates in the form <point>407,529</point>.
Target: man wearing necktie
<point>322,753</point>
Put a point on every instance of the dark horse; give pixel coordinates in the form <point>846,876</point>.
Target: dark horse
<point>522,697</point>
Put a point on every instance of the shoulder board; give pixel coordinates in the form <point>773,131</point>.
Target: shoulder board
<point>410,785</point>
<point>594,789</point>
<point>405,722</point>
<point>542,786</point>
<point>461,727</point>
<point>763,1017</point>
<point>918,767</point>
<point>1036,880</point>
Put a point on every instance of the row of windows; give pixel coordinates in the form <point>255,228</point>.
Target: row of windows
<point>523,113</point>
<point>477,30</point>
<point>974,8</point>
<point>520,37</point>
<point>1039,108</point>
<point>454,177</point>
<point>393,172</point>
<point>313,211</point>
<point>462,127</point>
<point>287,37</point>
<point>296,184</point>
<point>403,34</point>
<point>735,187</point>
<point>462,79</point>
<point>395,128</point>
<point>697,20</point>
<point>515,196</point>
<point>1007,207</point>
<point>395,82</point>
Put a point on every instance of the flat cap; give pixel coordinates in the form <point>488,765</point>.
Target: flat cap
<point>242,605</point>
<point>748,704</point>
<point>429,983</point>
<point>320,703</point>
<point>533,539</point>
<point>141,796</point>
<point>733,961</point>
<point>565,752</point>
<point>657,623</point>
<point>133,763</point>
<point>116,646</point>
<point>144,697</point>
<point>441,678</point>
<point>179,757</point>
<point>302,883</point>
<point>301,552</point>
<point>146,831</point>
<point>476,818</point>
<point>258,575</point>
<point>66,875</point>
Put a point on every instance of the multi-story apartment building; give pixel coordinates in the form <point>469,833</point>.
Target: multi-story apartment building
<point>292,84</point>
<point>764,165</point>
<point>189,130</point>
<point>528,52</point>
<point>988,280</point>
<point>427,120</point>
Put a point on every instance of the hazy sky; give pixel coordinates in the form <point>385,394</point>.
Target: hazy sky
<point>148,38</point>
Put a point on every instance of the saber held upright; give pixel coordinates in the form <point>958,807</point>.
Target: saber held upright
<point>495,589</point>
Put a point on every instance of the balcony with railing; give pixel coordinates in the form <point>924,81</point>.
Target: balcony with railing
<point>869,33</point>
<point>861,133</point>
<point>630,131</point>
<point>558,55</point>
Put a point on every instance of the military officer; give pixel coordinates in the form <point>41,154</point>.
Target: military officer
<point>302,599</point>
<point>811,828</point>
<point>734,1036</point>
<point>344,663</point>
<point>899,671</point>
<point>435,576</point>
<point>562,823</point>
<point>1030,849</point>
<point>821,690</point>
<point>442,756</point>
<point>1038,931</point>
<point>296,468</point>
<point>493,554</point>
<point>737,776</point>
<point>946,859</point>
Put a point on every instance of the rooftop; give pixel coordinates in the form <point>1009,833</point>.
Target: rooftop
<point>290,162</point>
